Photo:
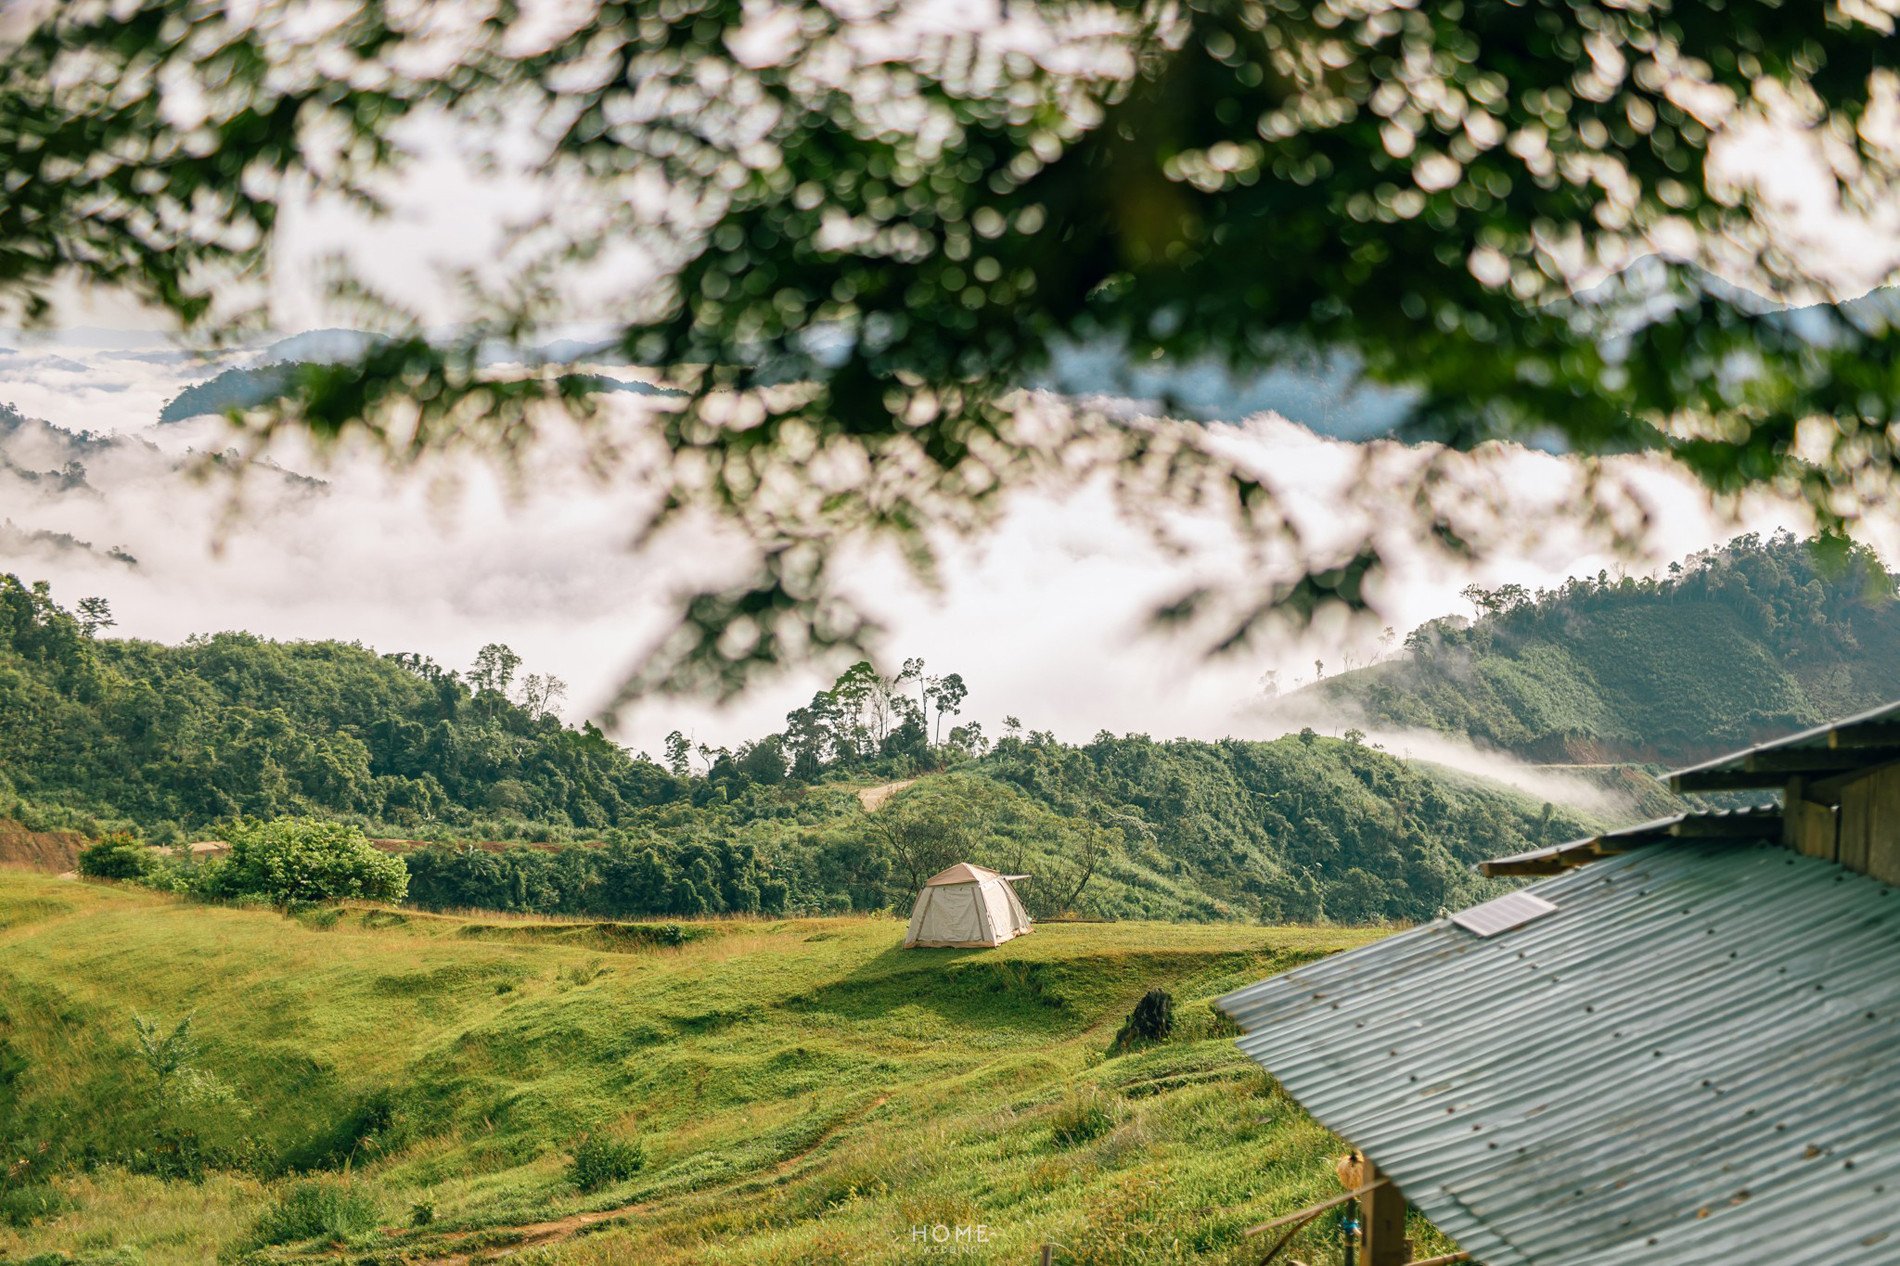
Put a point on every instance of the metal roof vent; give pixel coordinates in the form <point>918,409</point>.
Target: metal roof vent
<point>1512,910</point>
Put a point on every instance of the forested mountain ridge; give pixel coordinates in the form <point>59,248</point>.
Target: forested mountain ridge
<point>175,738</point>
<point>1730,647</point>
<point>173,742</point>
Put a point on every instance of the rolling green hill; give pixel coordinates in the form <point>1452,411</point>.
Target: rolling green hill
<point>171,742</point>
<point>1731,647</point>
<point>798,1091</point>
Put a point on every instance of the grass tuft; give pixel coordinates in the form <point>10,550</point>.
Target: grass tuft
<point>317,1209</point>
<point>24,1205</point>
<point>1083,1118</point>
<point>601,1162</point>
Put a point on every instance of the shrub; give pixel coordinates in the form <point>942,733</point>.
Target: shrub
<point>1152,1020</point>
<point>600,1162</point>
<point>118,856</point>
<point>187,874</point>
<point>165,1054</point>
<point>422,1213</point>
<point>584,973</point>
<point>331,1210</point>
<point>27,1203</point>
<point>303,859</point>
<point>1081,1118</point>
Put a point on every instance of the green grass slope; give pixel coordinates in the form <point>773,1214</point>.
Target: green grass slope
<point>804,1091</point>
<point>1742,644</point>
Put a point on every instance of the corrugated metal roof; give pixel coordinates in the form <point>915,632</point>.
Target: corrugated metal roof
<point>1749,822</point>
<point>1866,738</point>
<point>1694,1060</point>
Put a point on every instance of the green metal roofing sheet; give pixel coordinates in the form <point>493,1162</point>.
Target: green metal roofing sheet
<point>1695,1059</point>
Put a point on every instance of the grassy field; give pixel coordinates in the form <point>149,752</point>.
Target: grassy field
<point>802,1091</point>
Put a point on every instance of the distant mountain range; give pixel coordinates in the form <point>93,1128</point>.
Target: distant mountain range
<point>47,469</point>
<point>274,371</point>
<point>1322,391</point>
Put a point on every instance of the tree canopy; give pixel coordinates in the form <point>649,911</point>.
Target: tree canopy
<point>859,232</point>
<point>1730,647</point>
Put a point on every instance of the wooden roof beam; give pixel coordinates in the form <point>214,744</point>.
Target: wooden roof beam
<point>1725,780</point>
<point>1520,867</point>
<point>1739,826</point>
<point>1815,760</point>
<point>1853,748</point>
<point>1555,861</point>
<point>1865,734</point>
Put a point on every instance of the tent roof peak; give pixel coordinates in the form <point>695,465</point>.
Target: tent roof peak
<point>966,873</point>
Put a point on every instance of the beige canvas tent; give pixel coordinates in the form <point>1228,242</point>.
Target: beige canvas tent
<point>968,907</point>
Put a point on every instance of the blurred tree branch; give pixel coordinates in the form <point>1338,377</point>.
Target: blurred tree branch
<point>862,234</point>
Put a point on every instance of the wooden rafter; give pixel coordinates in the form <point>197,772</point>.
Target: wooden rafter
<point>1715,826</point>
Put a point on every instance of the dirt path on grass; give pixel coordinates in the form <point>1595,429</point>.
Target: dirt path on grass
<point>779,1170</point>
<point>539,1234</point>
<point>532,1235</point>
<point>873,798</point>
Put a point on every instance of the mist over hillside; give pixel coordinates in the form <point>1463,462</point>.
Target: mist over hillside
<point>1730,647</point>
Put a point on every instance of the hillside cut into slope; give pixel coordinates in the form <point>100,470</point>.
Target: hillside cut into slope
<point>1732,647</point>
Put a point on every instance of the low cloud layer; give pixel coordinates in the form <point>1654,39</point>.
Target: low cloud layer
<point>1045,618</point>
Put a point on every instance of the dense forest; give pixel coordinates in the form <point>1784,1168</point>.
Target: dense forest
<point>1729,647</point>
<point>496,803</point>
<point>176,742</point>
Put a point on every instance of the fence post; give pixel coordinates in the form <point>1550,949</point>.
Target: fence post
<point>1382,1217</point>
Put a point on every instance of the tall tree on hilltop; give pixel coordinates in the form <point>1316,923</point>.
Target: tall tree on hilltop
<point>494,669</point>
<point>950,694</point>
<point>95,615</point>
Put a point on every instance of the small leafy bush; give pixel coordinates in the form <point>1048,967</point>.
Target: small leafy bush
<point>601,1162</point>
<point>294,860</point>
<point>28,1203</point>
<point>1082,1118</point>
<point>309,1210</point>
<point>422,1213</point>
<point>165,1054</point>
<point>118,856</point>
<point>188,874</point>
